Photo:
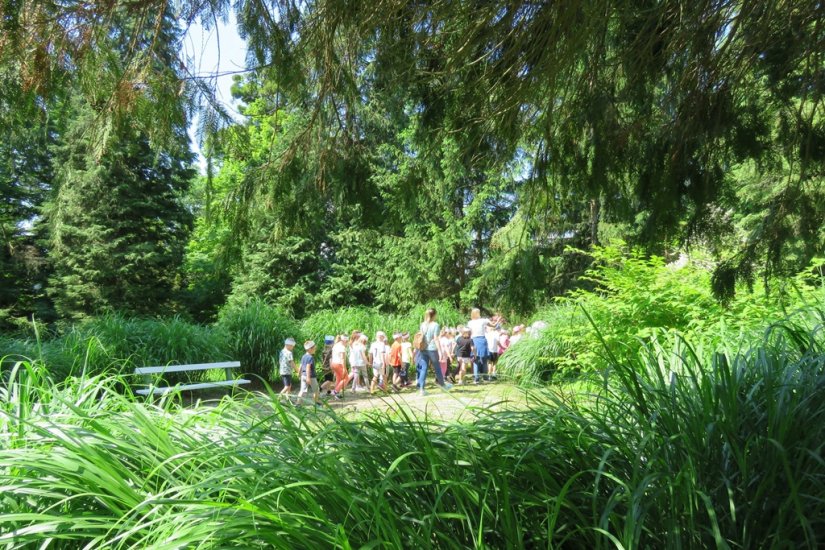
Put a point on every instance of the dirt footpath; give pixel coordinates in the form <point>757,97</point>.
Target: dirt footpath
<point>454,404</point>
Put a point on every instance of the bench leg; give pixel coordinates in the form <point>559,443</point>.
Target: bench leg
<point>228,374</point>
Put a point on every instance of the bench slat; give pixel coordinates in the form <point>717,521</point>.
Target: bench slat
<point>165,390</point>
<point>186,368</point>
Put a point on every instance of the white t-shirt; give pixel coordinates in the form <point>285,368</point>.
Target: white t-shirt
<point>406,352</point>
<point>492,340</point>
<point>285,361</point>
<point>378,349</point>
<point>356,355</point>
<point>339,351</point>
<point>447,345</point>
<point>477,327</point>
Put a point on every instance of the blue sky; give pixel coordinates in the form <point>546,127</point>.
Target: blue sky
<point>212,53</point>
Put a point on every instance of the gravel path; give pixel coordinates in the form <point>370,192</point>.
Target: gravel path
<point>454,404</point>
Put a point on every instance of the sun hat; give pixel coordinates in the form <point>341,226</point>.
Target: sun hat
<point>289,342</point>
<point>309,344</point>
<point>329,339</point>
<point>379,334</point>
<point>396,335</point>
<point>344,338</point>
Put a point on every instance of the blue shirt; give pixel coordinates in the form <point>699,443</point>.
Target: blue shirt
<point>308,362</point>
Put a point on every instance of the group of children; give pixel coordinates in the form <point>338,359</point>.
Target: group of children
<point>476,346</point>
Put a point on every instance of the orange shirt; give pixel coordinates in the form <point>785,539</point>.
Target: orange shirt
<point>395,354</point>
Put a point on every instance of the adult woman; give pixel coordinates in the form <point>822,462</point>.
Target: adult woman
<point>478,329</point>
<point>429,355</point>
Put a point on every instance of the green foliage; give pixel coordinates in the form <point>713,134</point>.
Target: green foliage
<point>255,332</point>
<point>675,448</point>
<point>635,297</point>
<point>114,343</point>
<point>26,174</point>
<point>369,320</point>
<point>117,223</point>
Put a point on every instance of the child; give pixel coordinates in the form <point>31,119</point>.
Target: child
<point>328,385</point>
<point>464,352</point>
<point>447,353</point>
<point>358,362</point>
<point>287,365</point>
<point>503,342</point>
<point>395,361</point>
<point>309,379</point>
<point>406,359</point>
<point>338,365</point>
<point>492,336</point>
<point>378,360</point>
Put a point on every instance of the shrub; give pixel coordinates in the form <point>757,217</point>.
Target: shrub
<point>633,298</point>
<point>255,333</point>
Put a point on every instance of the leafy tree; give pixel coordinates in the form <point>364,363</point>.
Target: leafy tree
<point>402,118</point>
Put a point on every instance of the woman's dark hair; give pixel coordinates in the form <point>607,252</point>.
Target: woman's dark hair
<point>429,315</point>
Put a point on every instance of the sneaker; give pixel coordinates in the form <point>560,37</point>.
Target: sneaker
<point>339,397</point>
<point>447,386</point>
<point>422,393</point>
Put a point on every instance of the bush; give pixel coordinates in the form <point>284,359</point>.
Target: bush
<point>255,332</point>
<point>634,297</point>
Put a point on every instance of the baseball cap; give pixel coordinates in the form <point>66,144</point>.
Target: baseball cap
<point>329,339</point>
<point>309,344</point>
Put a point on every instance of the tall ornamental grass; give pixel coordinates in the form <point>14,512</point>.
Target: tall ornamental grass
<point>118,344</point>
<point>370,320</point>
<point>674,448</point>
<point>255,331</point>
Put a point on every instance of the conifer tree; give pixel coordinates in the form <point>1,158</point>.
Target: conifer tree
<point>118,223</point>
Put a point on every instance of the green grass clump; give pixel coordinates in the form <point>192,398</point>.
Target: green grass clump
<point>255,332</point>
<point>673,448</point>
<point>370,320</point>
<point>118,344</point>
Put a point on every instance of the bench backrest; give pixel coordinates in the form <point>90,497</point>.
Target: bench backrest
<point>185,368</point>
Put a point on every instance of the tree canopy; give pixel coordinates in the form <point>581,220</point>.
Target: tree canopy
<point>393,151</point>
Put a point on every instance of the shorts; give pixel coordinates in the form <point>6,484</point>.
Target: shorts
<point>378,371</point>
<point>493,357</point>
<point>286,379</point>
<point>313,385</point>
<point>358,370</point>
<point>464,361</point>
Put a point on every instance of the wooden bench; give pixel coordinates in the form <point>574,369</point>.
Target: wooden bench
<point>148,372</point>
